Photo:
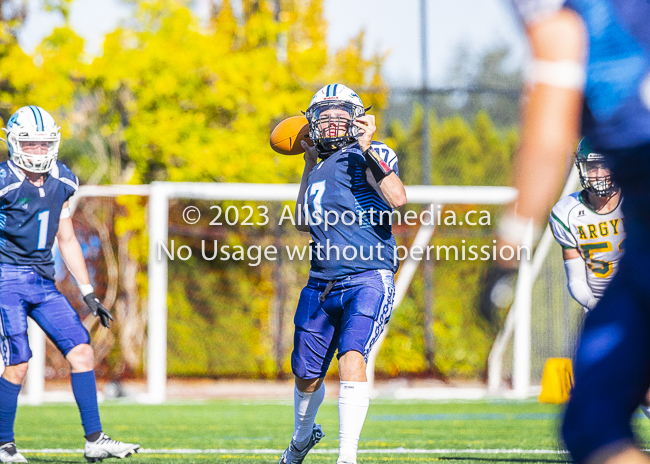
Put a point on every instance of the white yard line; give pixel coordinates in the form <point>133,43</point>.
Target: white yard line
<point>315,451</point>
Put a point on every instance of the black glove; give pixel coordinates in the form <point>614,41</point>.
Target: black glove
<point>98,310</point>
<point>497,293</point>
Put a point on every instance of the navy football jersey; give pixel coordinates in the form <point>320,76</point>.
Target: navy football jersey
<point>616,111</point>
<point>349,232</point>
<point>29,215</point>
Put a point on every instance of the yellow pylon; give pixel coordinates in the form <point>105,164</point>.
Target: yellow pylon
<point>557,380</point>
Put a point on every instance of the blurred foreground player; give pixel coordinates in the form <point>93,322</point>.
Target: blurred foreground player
<point>34,193</point>
<point>589,226</point>
<point>349,296</point>
<point>591,58</point>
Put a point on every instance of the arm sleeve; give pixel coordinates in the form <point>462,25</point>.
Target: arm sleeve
<point>577,276</point>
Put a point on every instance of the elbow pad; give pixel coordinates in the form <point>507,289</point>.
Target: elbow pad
<point>577,276</point>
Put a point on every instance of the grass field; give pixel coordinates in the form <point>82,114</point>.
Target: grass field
<point>257,431</point>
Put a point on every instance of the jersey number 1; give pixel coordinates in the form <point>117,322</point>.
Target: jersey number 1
<point>43,222</point>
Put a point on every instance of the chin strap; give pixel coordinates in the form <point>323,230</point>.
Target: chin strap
<point>378,166</point>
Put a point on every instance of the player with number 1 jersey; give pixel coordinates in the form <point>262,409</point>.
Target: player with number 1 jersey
<point>34,191</point>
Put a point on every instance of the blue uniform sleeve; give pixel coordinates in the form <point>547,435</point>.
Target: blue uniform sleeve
<point>387,154</point>
<point>69,180</point>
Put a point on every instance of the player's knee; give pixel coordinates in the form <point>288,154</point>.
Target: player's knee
<point>16,373</point>
<point>81,358</point>
<point>308,385</point>
<point>352,366</point>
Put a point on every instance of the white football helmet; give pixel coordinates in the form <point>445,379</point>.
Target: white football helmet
<point>333,96</point>
<point>28,125</point>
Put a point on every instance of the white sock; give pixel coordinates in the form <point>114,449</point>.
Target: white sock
<point>645,410</point>
<point>354,399</point>
<point>305,407</point>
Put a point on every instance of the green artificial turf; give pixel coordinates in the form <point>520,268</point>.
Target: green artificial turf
<point>260,425</point>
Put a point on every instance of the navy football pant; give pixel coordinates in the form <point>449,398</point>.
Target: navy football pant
<point>25,293</point>
<point>351,318</point>
<point>612,365</point>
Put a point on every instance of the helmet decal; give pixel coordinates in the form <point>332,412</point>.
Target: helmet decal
<point>38,117</point>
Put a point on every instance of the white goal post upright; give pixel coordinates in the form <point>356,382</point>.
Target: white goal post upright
<point>518,320</point>
<point>161,192</point>
<point>156,369</point>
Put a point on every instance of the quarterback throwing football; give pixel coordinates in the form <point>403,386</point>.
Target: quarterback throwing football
<point>34,193</point>
<point>349,296</point>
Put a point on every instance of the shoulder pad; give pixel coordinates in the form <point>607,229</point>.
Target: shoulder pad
<point>563,207</point>
<point>64,174</point>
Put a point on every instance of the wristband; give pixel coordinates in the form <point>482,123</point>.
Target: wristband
<point>85,289</point>
<point>378,166</point>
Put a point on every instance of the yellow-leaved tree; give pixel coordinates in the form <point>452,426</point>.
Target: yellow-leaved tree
<point>175,99</point>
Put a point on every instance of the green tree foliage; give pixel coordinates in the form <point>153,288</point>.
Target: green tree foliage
<point>482,82</point>
<point>172,99</point>
<point>463,153</point>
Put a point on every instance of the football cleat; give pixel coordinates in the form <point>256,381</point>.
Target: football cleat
<point>8,453</point>
<point>299,455</point>
<point>105,447</point>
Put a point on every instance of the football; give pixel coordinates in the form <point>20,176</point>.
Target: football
<point>286,136</point>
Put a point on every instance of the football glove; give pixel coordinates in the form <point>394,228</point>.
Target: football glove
<point>98,310</point>
<point>497,293</point>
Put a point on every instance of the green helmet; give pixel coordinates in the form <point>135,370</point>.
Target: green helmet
<point>591,167</point>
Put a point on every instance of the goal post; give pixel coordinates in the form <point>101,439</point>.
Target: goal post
<point>160,194</point>
<point>518,319</point>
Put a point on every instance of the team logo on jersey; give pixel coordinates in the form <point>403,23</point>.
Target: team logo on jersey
<point>3,173</point>
<point>23,202</point>
<point>581,212</point>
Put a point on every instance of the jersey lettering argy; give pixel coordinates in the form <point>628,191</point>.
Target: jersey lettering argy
<point>598,237</point>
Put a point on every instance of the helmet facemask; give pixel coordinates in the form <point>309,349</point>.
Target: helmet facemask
<point>34,154</point>
<point>595,176</point>
<point>33,139</point>
<point>331,125</point>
